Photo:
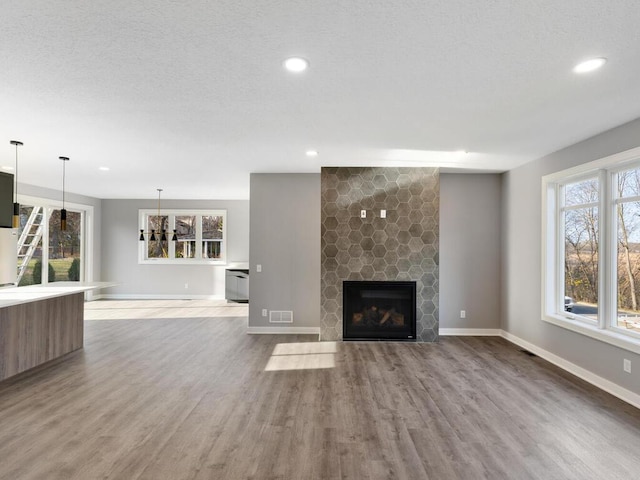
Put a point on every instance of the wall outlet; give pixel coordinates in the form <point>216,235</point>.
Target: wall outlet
<point>264,312</point>
<point>463,314</point>
<point>383,214</point>
<point>363,214</point>
<point>626,365</point>
<point>258,268</point>
<point>186,286</point>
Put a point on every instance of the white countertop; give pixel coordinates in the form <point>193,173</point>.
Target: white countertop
<point>18,295</point>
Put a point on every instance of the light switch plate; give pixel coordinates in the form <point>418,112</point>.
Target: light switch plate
<point>383,214</point>
<point>363,214</point>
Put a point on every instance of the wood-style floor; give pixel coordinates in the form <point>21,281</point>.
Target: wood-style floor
<point>180,394</point>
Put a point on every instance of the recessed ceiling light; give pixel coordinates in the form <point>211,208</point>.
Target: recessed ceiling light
<point>104,169</point>
<point>312,153</point>
<point>296,64</point>
<point>590,65</point>
<point>8,169</point>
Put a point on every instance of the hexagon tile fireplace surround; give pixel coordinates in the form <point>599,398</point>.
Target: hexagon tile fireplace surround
<point>380,224</point>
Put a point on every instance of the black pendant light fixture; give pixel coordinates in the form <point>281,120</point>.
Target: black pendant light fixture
<point>16,206</point>
<point>63,212</point>
<point>162,232</point>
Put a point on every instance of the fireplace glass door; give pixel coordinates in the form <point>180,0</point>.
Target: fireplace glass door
<point>379,310</point>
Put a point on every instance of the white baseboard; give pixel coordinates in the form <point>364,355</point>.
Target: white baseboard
<point>470,332</point>
<point>123,296</point>
<point>283,330</point>
<point>600,382</point>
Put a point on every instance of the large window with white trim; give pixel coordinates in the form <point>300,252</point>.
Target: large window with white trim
<point>48,254</point>
<point>591,249</point>
<point>191,236</point>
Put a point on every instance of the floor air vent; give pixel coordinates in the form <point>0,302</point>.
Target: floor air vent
<point>280,316</point>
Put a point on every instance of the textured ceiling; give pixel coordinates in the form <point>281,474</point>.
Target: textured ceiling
<point>192,96</point>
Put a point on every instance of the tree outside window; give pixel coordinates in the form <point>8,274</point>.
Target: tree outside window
<point>200,236</point>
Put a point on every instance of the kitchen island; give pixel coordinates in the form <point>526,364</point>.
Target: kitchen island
<point>41,323</point>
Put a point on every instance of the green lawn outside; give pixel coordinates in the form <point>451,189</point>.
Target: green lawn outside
<point>60,266</point>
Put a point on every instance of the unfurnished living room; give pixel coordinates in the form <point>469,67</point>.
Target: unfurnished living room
<point>319,240</point>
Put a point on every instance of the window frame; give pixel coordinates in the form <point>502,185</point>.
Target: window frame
<point>145,213</point>
<point>561,245</point>
<point>552,242</point>
<point>87,236</point>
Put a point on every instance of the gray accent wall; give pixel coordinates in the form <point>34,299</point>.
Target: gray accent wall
<point>285,241</point>
<point>521,263</point>
<point>470,250</point>
<point>403,246</point>
<point>120,252</point>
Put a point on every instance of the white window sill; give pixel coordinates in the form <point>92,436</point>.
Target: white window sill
<point>185,261</point>
<point>608,336</point>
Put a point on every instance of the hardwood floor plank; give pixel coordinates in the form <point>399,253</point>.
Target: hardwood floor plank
<point>172,390</point>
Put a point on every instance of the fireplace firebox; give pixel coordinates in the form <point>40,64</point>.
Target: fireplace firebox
<point>379,310</point>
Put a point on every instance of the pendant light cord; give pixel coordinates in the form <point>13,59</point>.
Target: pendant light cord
<point>15,177</point>
<point>64,174</point>
<point>63,177</point>
<point>158,220</point>
<point>16,191</point>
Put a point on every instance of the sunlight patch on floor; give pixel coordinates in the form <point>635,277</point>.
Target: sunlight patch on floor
<point>302,356</point>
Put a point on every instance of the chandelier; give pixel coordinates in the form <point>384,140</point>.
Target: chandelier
<point>161,231</point>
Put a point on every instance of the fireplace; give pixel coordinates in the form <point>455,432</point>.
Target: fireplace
<point>379,310</point>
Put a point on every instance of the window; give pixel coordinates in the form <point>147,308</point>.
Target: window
<point>47,254</point>
<point>65,247</point>
<point>200,236</point>
<point>579,221</point>
<point>591,249</point>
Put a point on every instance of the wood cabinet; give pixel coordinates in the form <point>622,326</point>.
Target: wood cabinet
<point>37,332</point>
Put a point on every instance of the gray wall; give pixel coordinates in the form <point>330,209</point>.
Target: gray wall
<point>470,250</point>
<point>521,277</point>
<point>285,240</point>
<point>120,251</point>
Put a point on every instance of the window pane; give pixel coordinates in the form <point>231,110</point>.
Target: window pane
<point>30,254</point>
<point>64,248</point>
<point>157,248</point>
<point>186,233</point>
<point>582,192</point>
<point>581,262</point>
<point>211,236</point>
<point>629,183</point>
<point>211,249</point>
<point>628,264</point>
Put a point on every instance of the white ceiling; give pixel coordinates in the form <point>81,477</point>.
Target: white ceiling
<point>192,97</point>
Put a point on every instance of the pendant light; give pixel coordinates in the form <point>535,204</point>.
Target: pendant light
<point>162,233</point>
<point>16,206</point>
<point>63,212</point>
